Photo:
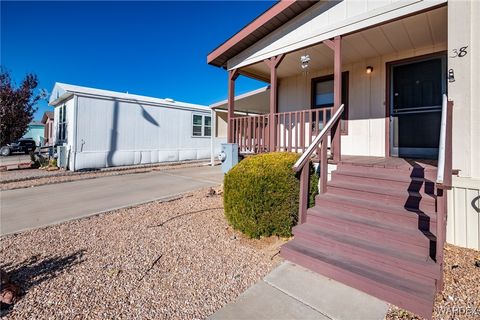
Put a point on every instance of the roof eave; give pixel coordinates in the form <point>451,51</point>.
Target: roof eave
<point>61,99</point>
<point>214,57</point>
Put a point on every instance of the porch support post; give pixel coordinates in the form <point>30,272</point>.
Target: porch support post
<point>336,46</point>
<point>273,64</point>
<point>232,76</point>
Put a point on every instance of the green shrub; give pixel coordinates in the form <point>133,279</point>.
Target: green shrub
<point>261,194</point>
<point>52,163</point>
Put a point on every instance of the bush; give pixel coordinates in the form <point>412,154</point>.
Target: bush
<point>261,194</point>
<point>52,163</point>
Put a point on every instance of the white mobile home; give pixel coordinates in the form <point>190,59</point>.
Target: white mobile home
<point>103,128</point>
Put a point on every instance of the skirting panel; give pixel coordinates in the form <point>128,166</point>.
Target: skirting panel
<point>463,220</point>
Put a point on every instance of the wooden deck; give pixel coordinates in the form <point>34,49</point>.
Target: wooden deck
<point>389,162</point>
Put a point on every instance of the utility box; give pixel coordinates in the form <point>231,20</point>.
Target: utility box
<point>62,157</point>
<point>228,156</point>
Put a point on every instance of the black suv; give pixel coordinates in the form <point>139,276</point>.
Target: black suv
<point>22,145</point>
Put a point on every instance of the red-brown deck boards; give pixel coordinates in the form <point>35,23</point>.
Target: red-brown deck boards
<point>374,230</point>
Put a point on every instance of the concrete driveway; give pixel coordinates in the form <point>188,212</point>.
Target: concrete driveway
<point>24,209</point>
<point>14,159</point>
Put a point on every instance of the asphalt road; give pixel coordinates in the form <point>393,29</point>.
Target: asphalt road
<point>23,209</point>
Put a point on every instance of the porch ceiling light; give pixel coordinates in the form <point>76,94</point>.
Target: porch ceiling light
<point>305,60</point>
<point>369,69</point>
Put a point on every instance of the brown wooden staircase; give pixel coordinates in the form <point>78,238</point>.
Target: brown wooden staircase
<point>374,229</point>
<point>378,226</point>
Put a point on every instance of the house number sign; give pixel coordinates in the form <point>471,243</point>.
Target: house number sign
<point>460,53</point>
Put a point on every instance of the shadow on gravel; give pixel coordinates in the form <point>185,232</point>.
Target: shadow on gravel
<point>35,270</point>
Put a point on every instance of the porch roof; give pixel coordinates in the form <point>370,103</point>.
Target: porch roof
<point>270,20</point>
<point>414,33</point>
<point>256,101</point>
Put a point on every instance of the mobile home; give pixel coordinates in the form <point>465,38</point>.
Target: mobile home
<point>383,94</point>
<point>101,128</point>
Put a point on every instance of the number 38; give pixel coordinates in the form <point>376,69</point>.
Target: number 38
<point>462,52</point>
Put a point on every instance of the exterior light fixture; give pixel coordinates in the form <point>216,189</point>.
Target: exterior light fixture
<point>305,60</point>
<point>369,69</point>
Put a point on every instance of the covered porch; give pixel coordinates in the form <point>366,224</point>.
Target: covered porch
<point>355,69</point>
<point>366,92</point>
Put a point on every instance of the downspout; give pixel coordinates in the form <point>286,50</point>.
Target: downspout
<point>75,109</point>
<point>213,115</point>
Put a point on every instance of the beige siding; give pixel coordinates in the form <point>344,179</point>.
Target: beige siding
<point>367,98</point>
<point>221,124</point>
<point>463,222</point>
<point>326,20</point>
<point>463,17</point>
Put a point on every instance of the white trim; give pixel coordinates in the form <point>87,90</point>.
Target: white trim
<point>443,135</point>
<point>70,90</point>
<point>240,96</point>
<point>302,31</point>
<point>202,125</point>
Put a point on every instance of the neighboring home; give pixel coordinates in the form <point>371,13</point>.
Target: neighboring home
<point>253,102</point>
<point>47,121</point>
<point>396,148</point>
<point>103,128</point>
<point>35,132</point>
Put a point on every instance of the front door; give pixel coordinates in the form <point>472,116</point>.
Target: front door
<point>416,107</point>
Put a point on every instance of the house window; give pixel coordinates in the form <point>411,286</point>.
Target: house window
<point>62,124</point>
<point>322,97</point>
<point>202,125</point>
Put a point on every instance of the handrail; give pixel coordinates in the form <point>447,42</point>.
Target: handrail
<point>444,165</point>
<point>306,155</point>
<point>444,181</point>
<point>441,148</point>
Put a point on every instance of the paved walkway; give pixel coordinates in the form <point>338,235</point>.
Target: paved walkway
<point>14,159</point>
<point>293,292</point>
<point>28,208</point>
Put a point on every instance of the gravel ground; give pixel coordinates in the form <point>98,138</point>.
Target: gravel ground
<point>27,178</point>
<point>170,260</point>
<point>460,298</point>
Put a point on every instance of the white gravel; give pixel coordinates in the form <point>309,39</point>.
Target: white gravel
<point>103,267</point>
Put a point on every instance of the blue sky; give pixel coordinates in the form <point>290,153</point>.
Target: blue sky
<point>150,48</point>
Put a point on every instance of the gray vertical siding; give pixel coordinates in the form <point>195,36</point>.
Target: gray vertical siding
<point>118,133</point>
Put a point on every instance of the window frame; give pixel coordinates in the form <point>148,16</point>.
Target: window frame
<point>345,94</point>
<point>62,124</point>
<point>203,125</point>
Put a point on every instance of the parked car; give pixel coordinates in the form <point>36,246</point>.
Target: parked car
<point>21,145</point>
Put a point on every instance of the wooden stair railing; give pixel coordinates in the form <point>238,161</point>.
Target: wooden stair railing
<point>444,181</point>
<point>320,144</point>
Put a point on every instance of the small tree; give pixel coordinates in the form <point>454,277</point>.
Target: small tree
<point>16,106</point>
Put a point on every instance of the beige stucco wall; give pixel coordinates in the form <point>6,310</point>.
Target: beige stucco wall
<point>367,98</point>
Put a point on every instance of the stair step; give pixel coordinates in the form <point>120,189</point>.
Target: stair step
<point>374,230</point>
<point>403,182</point>
<point>377,210</point>
<point>407,199</point>
<point>429,173</point>
<point>377,255</point>
<point>409,294</point>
